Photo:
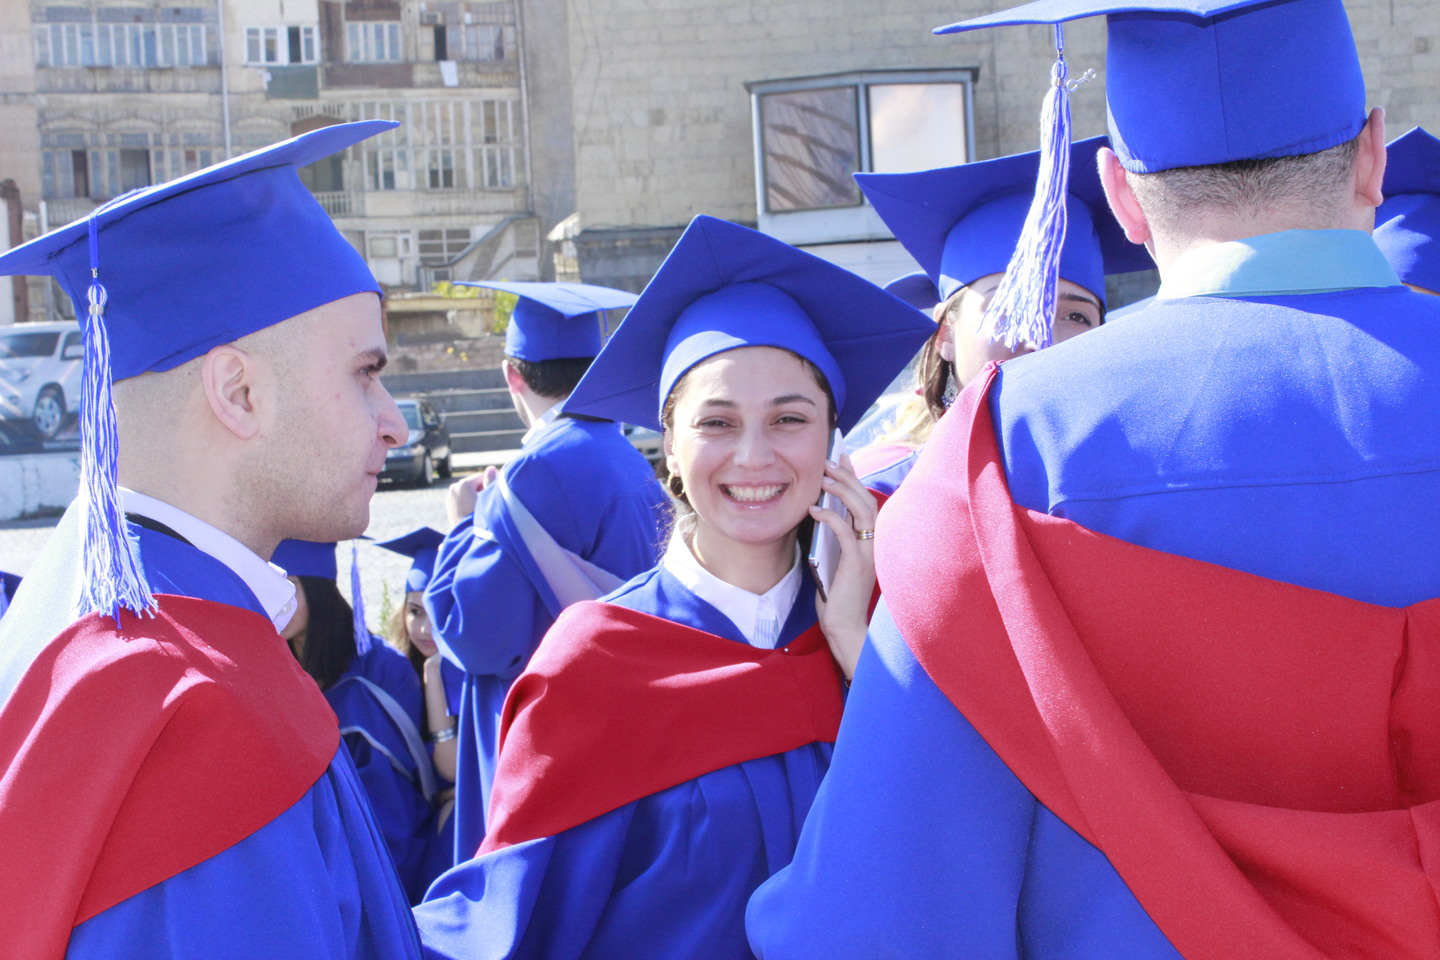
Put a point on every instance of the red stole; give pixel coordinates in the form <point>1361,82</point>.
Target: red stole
<point>130,757</point>
<point>1260,762</point>
<point>618,704</point>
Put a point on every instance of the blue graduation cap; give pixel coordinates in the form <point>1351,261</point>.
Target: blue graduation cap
<point>962,223</point>
<point>724,287</point>
<point>164,274</point>
<point>422,546</point>
<point>309,558</point>
<point>1407,224</point>
<point>1199,82</point>
<point>306,558</point>
<point>556,321</point>
<point>916,289</point>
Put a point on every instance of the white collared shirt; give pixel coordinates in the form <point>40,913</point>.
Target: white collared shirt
<point>546,418</point>
<point>267,581</point>
<point>758,617</point>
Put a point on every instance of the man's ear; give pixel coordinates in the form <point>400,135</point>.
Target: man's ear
<point>1370,161</point>
<point>513,381</point>
<point>1121,198</point>
<point>228,376</point>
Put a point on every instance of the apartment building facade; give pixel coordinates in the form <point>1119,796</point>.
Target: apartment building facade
<point>124,93</point>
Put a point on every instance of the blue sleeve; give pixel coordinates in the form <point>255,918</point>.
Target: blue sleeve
<point>922,843</point>
<point>316,882</point>
<point>486,614</point>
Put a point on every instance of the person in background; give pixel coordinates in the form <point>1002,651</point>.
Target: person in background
<point>715,672</point>
<point>9,583</point>
<point>1150,675</point>
<point>1407,224</point>
<point>377,698</point>
<point>408,630</point>
<point>961,225</point>
<point>575,514</point>
<point>906,426</point>
<point>205,807</point>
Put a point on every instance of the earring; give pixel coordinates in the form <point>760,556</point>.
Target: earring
<point>676,486</point>
<point>952,386</point>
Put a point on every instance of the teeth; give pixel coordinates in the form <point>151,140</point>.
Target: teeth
<point>754,494</point>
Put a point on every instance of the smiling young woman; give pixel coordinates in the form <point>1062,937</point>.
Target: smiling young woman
<point>660,753</point>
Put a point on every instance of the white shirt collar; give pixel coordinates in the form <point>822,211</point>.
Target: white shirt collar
<point>758,617</point>
<point>267,581</point>
<point>538,427</point>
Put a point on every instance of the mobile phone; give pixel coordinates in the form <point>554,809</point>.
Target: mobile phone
<point>824,548</point>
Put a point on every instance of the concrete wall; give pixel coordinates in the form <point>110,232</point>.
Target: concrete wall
<point>37,483</point>
<point>662,119</point>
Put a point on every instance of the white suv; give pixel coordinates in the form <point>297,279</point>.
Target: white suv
<point>40,374</point>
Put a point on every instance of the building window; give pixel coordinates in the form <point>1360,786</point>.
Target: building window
<point>813,133</point>
<point>444,145</point>
<point>122,45</point>
<point>442,246</point>
<point>103,165</point>
<point>281,45</point>
<point>488,41</point>
<point>372,42</point>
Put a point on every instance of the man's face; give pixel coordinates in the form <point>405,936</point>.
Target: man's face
<point>332,423</point>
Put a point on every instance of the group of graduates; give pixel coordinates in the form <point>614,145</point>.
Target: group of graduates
<point>1127,646</point>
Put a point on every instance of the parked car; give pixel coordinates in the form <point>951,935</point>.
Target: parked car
<point>40,374</point>
<point>425,454</point>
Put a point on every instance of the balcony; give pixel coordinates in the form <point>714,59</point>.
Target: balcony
<point>63,210</point>
<point>127,80</point>
<point>342,203</point>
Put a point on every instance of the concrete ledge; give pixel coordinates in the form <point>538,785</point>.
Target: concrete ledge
<point>37,482</point>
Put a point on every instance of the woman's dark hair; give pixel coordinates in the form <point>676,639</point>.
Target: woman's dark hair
<point>330,634</point>
<point>551,378</point>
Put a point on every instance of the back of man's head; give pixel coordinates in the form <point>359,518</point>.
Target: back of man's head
<point>1311,191</point>
<point>551,379</point>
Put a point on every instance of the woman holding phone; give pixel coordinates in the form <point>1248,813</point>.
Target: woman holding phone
<point>661,751</point>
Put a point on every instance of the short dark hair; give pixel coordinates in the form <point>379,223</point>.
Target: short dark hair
<point>551,378</point>
<point>1306,182</point>
<point>330,635</point>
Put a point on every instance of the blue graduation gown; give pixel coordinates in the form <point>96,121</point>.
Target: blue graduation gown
<point>665,876</point>
<point>389,755</point>
<point>1272,435</point>
<point>315,882</point>
<point>887,480</point>
<point>598,498</point>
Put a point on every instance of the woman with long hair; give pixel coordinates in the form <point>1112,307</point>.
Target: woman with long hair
<point>376,697</point>
<point>408,630</point>
<point>660,752</point>
<point>961,224</point>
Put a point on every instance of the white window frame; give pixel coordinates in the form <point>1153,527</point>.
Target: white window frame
<point>445,144</point>
<point>857,222</point>
<point>373,41</point>
<point>255,43</point>
<point>132,45</point>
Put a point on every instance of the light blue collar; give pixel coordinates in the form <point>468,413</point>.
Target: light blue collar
<point>1276,264</point>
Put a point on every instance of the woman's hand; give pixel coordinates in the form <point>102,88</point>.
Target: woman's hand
<point>845,617</point>
<point>438,719</point>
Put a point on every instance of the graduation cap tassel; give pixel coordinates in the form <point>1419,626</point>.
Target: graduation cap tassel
<point>1023,307</point>
<point>112,575</point>
<point>357,604</point>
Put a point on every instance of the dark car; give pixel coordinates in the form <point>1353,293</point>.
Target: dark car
<point>425,454</point>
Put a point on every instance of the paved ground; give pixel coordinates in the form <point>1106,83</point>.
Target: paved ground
<point>395,510</point>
